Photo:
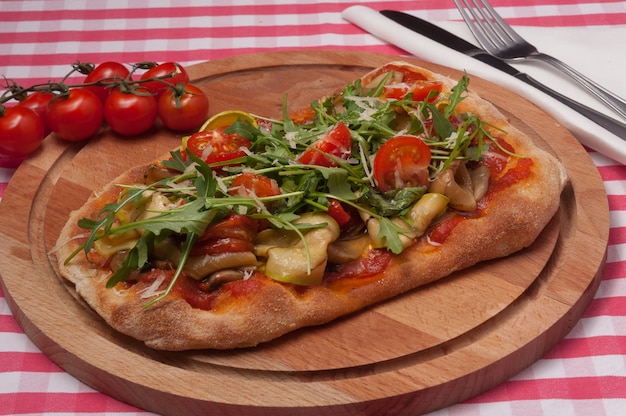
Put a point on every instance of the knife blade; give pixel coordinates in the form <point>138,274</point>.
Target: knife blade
<point>452,41</point>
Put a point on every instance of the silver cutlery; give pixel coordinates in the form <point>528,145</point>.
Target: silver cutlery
<point>450,40</point>
<point>500,40</point>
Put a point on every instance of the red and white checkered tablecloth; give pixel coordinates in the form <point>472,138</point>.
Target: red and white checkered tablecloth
<point>585,374</point>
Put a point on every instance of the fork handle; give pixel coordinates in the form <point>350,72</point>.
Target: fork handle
<point>609,123</point>
<point>612,100</point>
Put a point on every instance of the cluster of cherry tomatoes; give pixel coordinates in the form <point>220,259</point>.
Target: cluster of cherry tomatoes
<point>109,93</point>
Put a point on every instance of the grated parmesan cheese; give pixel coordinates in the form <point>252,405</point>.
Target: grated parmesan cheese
<point>153,289</point>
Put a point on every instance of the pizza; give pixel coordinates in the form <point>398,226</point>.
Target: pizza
<point>255,227</point>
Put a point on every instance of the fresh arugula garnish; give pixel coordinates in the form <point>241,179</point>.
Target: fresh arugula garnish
<point>394,203</point>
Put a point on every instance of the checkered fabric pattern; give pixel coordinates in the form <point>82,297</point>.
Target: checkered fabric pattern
<point>585,374</point>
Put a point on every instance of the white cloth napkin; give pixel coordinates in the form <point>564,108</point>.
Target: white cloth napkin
<point>573,45</point>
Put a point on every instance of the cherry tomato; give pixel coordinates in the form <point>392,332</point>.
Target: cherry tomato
<point>105,71</point>
<point>21,131</point>
<point>420,90</point>
<point>336,142</point>
<point>77,116</point>
<point>338,212</point>
<point>183,112</point>
<point>401,162</point>
<point>218,145</point>
<point>172,73</point>
<point>251,184</point>
<point>130,113</point>
<point>38,102</point>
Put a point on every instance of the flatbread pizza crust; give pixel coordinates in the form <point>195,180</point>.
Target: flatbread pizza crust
<point>514,218</point>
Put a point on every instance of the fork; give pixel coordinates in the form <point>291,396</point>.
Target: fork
<point>500,40</point>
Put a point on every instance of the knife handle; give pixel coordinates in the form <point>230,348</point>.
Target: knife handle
<point>614,126</point>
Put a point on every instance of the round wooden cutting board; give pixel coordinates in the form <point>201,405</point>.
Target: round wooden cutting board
<point>427,349</point>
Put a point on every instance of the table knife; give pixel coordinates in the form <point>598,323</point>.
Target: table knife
<point>452,41</point>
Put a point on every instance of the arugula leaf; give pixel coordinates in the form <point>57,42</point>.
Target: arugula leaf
<point>189,218</point>
<point>395,202</point>
<point>443,126</point>
<point>457,95</point>
<point>177,162</point>
<point>339,186</point>
<point>205,183</point>
<point>135,259</point>
<point>103,226</point>
<point>390,232</point>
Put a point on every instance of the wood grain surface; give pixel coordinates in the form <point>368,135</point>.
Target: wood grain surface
<point>427,349</point>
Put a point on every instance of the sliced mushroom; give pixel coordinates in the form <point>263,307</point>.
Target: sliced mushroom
<point>271,238</point>
<point>373,230</point>
<point>480,181</point>
<point>300,263</point>
<point>157,204</point>
<point>223,276</point>
<point>199,267</point>
<point>343,251</point>
<point>461,198</point>
<point>156,173</point>
<point>462,176</point>
<point>425,210</point>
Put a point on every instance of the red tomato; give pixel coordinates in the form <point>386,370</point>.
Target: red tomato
<point>77,116</point>
<point>109,71</point>
<point>420,90</point>
<point>336,142</point>
<point>235,233</point>
<point>251,184</point>
<point>338,212</point>
<point>496,159</point>
<point>130,113</point>
<point>38,102</point>
<point>21,131</point>
<point>407,74</point>
<point>441,231</point>
<point>401,162</point>
<point>185,112</point>
<point>216,146</point>
<point>169,73</point>
<point>232,226</point>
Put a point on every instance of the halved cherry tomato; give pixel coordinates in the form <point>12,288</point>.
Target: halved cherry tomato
<point>172,73</point>
<point>218,145</point>
<point>77,116</point>
<point>184,110</point>
<point>401,162</point>
<point>336,142</point>
<point>251,184</point>
<point>21,131</point>
<point>130,113</point>
<point>420,90</point>
<point>38,102</point>
<point>105,71</point>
